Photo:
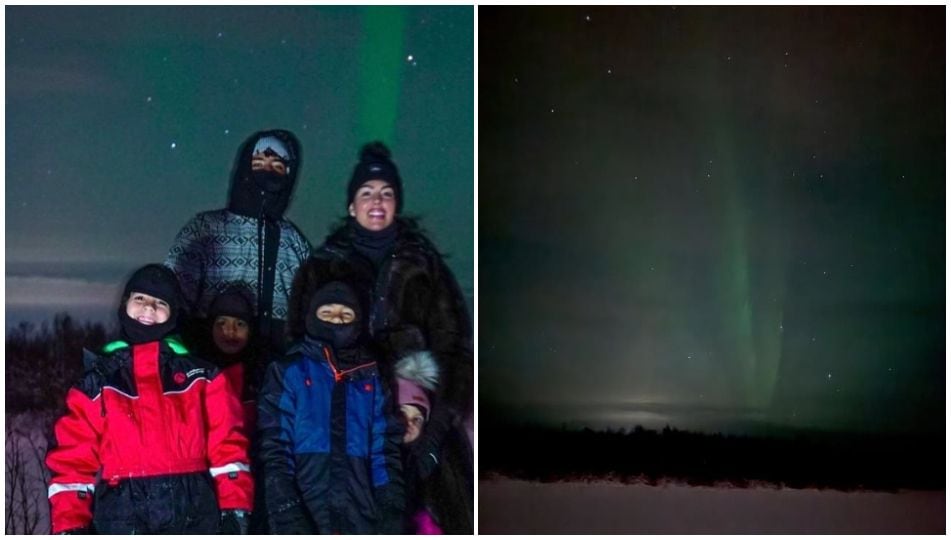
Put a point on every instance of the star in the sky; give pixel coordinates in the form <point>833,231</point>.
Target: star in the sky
<point>174,145</point>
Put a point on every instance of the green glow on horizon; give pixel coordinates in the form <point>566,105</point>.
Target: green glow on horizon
<point>381,62</point>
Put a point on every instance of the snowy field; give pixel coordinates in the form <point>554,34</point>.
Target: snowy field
<point>520,507</point>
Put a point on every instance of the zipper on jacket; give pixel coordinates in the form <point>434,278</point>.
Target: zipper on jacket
<point>338,375</point>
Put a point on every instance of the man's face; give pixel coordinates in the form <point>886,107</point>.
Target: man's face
<point>266,161</point>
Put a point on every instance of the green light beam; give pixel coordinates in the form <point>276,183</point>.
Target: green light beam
<point>381,62</point>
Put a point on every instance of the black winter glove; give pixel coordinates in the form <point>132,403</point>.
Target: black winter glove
<point>234,522</point>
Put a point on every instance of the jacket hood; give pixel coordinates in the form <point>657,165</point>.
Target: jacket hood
<point>246,197</point>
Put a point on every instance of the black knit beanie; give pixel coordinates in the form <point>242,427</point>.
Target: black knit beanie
<point>157,281</point>
<point>375,164</point>
<point>234,301</point>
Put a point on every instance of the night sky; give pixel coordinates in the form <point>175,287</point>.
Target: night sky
<point>714,218</point>
<point>122,123</point>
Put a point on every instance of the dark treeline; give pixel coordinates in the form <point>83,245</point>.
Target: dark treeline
<point>807,459</point>
<point>43,362</point>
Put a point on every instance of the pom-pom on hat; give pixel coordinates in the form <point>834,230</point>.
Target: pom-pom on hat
<point>416,376</point>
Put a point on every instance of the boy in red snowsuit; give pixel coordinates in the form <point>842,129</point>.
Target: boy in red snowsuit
<point>152,441</point>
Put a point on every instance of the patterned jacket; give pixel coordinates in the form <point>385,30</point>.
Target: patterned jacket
<point>219,247</point>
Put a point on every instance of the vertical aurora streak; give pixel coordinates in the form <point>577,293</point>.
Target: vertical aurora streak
<point>752,325</point>
<point>380,64</point>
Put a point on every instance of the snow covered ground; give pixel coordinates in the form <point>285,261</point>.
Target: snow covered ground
<point>520,507</point>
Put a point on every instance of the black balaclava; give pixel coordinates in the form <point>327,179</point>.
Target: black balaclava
<point>157,281</point>
<point>344,337</point>
<point>254,194</point>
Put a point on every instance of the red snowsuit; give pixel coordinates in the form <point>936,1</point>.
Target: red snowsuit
<point>153,423</point>
<point>235,373</point>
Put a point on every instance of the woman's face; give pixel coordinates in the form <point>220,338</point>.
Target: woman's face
<point>147,310</point>
<point>414,420</point>
<point>374,205</point>
<point>230,334</point>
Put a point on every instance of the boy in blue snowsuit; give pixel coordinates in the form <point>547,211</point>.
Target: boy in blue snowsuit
<point>329,436</point>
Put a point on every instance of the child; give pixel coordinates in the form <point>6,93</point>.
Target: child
<point>228,339</point>
<point>417,376</point>
<point>229,328</point>
<point>329,442</point>
<point>151,442</point>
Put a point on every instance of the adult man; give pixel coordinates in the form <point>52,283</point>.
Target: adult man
<point>250,240</point>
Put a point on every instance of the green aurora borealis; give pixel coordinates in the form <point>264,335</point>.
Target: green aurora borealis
<point>123,122</point>
<point>714,218</point>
